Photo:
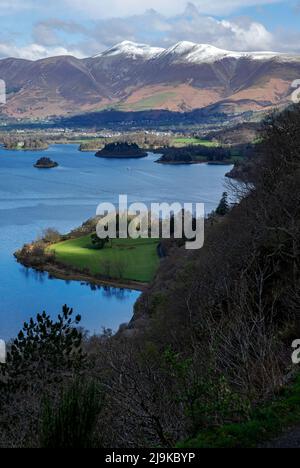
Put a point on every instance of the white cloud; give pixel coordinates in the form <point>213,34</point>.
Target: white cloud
<point>97,9</point>
<point>35,51</point>
<point>242,34</point>
<point>253,37</point>
<point>11,6</point>
<point>58,37</point>
<point>120,8</point>
<point>47,32</point>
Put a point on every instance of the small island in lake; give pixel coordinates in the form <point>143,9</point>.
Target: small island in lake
<point>121,150</point>
<point>45,163</point>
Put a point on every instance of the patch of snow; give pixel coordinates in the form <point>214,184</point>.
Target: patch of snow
<point>260,55</point>
<point>132,50</point>
<point>181,48</point>
<point>205,53</point>
<point>189,52</point>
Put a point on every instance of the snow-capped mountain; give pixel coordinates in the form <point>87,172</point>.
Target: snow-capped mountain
<point>205,53</point>
<point>187,52</point>
<point>131,50</point>
<point>131,76</point>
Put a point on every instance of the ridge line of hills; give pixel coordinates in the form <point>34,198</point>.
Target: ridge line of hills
<point>136,77</point>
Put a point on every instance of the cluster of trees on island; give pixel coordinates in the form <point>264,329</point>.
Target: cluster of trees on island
<point>145,140</point>
<point>209,344</point>
<point>121,150</point>
<point>201,153</point>
<point>27,143</point>
<point>45,163</point>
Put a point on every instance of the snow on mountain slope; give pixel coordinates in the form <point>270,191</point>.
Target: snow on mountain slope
<point>132,50</point>
<point>188,52</point>
<point>134,77</point>
<point>205,53</point>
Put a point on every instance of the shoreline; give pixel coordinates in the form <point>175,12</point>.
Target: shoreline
<point>67,274</point>
<point>43,260</point>
<point>190,163</point>
<point>26,150</point>
<point>50,166</point>
<point>123,156</point>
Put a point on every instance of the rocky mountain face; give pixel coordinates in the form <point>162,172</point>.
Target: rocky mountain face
<point>133,77</point>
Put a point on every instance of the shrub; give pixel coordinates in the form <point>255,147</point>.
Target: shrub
<point>51,235</point>
<point>72,422</point>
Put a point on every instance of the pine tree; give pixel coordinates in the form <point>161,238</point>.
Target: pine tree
<point>223,207</point>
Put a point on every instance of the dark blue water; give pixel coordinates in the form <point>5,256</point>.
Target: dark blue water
<point>32,200</point>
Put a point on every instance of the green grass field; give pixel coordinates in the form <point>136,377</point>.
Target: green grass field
<point>194,142</point>
<point>127,259</point>
<point>147,103</point>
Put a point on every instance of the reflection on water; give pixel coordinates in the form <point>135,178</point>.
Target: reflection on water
<point>121,294</point>
<point>118,293</point>
<point>38,276</point>
<point>31,201</point>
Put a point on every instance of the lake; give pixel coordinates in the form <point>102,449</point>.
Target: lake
<point>63,198</point>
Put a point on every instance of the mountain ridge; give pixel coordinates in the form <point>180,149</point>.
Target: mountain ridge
<point>193,50</point>
<point>131,77</point>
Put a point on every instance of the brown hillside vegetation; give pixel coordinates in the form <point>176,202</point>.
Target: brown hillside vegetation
<point>64,85</point>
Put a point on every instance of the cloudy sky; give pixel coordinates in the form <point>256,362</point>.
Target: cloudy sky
<point>34,29</point>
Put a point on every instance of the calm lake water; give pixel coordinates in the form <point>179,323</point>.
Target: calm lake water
<point>32,200</point>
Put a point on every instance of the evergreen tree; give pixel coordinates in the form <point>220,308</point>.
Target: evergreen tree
<point>223,207</point>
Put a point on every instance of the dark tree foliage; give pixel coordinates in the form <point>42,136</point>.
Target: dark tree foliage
<point>238,299</point>
<point>223,207</point>
<point>191,153</point>
<point>46,163</point>
<point>214,154</point>
<point>121,149</point>
<point>142,119</point>
<point>99,243</point>
<point>44,349</point>
<point>72,422</point>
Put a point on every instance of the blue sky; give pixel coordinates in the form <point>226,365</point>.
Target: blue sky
<point>34,29</point>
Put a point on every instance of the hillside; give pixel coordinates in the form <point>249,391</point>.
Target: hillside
<point>137,77</point>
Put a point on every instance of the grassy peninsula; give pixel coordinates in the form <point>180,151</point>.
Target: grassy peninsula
<point>122,259</point>
<point>80,256</point>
